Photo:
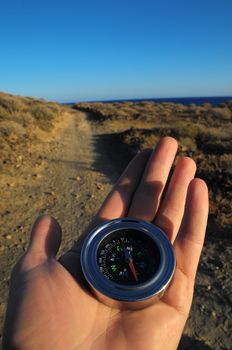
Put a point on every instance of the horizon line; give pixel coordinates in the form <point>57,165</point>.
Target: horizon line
<point>119,99</point>
<point>147,99</point>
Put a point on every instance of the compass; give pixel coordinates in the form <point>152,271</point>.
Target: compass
<point>127,262</point>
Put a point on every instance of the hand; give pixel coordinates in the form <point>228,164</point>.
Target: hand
<point>50,306</point>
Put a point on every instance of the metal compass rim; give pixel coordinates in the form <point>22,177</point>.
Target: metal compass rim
<point>116,291</point>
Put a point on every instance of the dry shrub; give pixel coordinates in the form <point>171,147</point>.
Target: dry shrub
<point>106,111</point>
<point>222,113</point>
<point>43,115</point>
<point>27,111</point>
<point>229,104</point>
<point>216,171</point>
<point>55,108</point>
<point>41,112</point>
<point>10,103</point>
<point>19,119</point>
<point>226,163</point>
<point>10,127</point>
<point>3,113</point>
<point>24,118</point>
<point>217,147</point>
<point>215,140</point>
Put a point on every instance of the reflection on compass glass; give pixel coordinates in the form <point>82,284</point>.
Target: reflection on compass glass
<point>128,257</point>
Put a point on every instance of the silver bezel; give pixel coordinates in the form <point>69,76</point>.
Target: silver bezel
<point>127,293</point>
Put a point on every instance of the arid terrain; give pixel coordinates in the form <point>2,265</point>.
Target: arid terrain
<point>63,160</point>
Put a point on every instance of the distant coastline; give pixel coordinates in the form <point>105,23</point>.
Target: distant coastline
<point>214,101</point>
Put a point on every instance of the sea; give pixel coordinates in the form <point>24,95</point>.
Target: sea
<point>214,101</point>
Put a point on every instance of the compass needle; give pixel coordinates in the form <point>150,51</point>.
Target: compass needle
<point>133,270</point>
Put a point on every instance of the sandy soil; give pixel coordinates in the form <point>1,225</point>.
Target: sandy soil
<point>68,174</point>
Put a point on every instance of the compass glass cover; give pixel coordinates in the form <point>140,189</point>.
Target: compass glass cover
<point>128,256</point>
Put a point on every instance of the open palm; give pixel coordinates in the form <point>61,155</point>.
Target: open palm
<point>51,307</point>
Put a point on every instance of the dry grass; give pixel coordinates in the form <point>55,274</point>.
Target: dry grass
<point>21,120</point>
<point>27,111</point>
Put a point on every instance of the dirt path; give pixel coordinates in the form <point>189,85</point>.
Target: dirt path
<point>77,185</point>
<point>59,179</point>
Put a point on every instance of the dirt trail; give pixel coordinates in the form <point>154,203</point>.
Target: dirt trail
<point>60,179</point>
<point>77,186</point>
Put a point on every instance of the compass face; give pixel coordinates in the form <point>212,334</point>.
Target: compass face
<point>128,257</point>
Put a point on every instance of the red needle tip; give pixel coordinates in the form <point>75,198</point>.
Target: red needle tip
<point>133,270</point>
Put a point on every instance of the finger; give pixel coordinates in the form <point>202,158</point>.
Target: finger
<point>188,246</point>
<point>190,239</point>
<point>118,200</point>
<point>45,238</point>
<point>146,199</point>
<point>171,211</point>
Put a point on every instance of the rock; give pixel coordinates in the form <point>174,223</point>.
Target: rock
<point>8,237</point>
<point>226,325</point>
<point>214,314</point>
<point>34,175</point>
<point>202,308</point>
<point>6,212</point>
<point>99,187</point>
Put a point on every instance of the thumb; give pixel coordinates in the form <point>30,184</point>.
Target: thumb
<point>45,238</point>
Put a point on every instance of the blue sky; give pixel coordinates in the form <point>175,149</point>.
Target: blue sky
<point>92,50</point>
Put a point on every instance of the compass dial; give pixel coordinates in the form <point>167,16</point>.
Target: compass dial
<point>127,262</point>
<point>128,257</point>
